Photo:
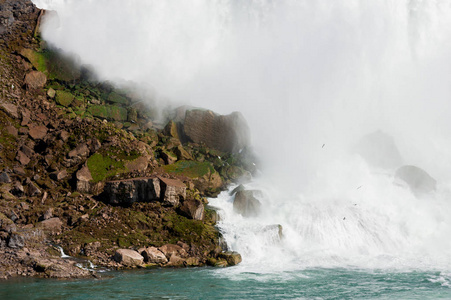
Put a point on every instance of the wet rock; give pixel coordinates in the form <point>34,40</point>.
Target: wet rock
<point>35,80</point>
<point>237,189</point>
<point>153,255</point>
<point>38,132</point>
<point>379,150</point>
<point>246,204</point>
<point>172,191</point>
<point>4,178</point>
<point>232,258</point>
<point>193,209</point>
<point>128,257</point>
<point>418,180</point>
<point>228,133</point>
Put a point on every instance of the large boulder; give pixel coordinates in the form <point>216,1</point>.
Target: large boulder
<point>172,191</point>
<point>153,255</point>
<point>228,133</point>
<point>128,257</point>
<point>246,204</point>
<point>35,80</point>
<point>128,191</point>
<point>379,150</point>
<point>232,258</point>
<point>170,249</point>
<point>193,209</point>
<point>418,180</point>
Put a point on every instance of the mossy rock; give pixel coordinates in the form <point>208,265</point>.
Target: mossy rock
<point>109,112</point>
<point>102,167</point>
<point>191,169</point>
<point>64,98</point>
<point>116,98</point>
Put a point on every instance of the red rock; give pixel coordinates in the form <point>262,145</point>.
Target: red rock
<point>35,80</point>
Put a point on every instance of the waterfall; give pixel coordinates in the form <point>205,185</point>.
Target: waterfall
<point>312,77</point>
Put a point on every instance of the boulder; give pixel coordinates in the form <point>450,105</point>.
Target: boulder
<point>246,204</point>
<point>4,178</point>
<point>35,80</point>
<point>228,133</point>
<point>64,98</point>
<point>153,255</point>
<point>176,261</point>
<point>59,175</point>
<point>418,180</point>
<point>232,258</point>
<point>379,150</point>
<point>128,191</point>
<point>128,257</point>
<point>81,150</point>
<point>10,109</point>
<point>193,209</point>
<point>83,180</point>
<point>53,225</point>
<point>170,249</point>
<point>172,191</point>
<point>38,132</point>
<point>16,240</point>
<point>22,158</point>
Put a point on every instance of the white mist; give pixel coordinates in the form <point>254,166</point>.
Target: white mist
<point>311,77</point>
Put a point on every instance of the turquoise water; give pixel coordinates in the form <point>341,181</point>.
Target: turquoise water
<point>209,283</point>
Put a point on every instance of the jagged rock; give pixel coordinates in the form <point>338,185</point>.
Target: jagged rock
<point>35,80</point>
<point>418,180</point>
<point>26,117</point>
<point>237,189</point>
<point>228,133</point>
<point>48,214</point>
<point>168,157</point>
<point>38,132</point>
<point>59,175</point>
<point>33,190</point>
<point>12,131</point>
<point>379,150</point>
<point>83,180</point>
<point>4,178</point>
<point>182,154</point>
<point>172,191</point>
<point>232,258</point>
<point>193,209</point>
<point>246,204</point>
<point>80,151</point>
<point>171,129</point>
<point>16,240</point>
<point>153,255</point>
<point>170,249</point>
<point>10,109</point>
<point>128,191</point>
<point>53,225</point>
<point>51,93</point>
<point>64,135</point>
<point>128,257</point>
<point>27,151</point>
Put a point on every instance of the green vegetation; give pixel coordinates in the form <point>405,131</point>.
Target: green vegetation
<point>102,167</point>
<point>191,169</point>
<point>64,98</point>
<point>109,112</point>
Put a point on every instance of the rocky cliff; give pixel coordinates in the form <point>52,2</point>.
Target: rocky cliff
<point>84,165</point>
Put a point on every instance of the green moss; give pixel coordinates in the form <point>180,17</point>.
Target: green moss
<point>116,98</point>
<point>102,167</point>
<point>192,169</point>
<point>64,98</point>
<point>109,112</point>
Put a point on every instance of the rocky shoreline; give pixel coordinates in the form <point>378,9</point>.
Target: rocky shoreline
<point>88,166</point>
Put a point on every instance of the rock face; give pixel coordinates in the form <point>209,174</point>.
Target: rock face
<point>128,257</point>
<point>193,209</point>
<point>379,150</point>
<point>126,192</point>
<point>246,204</point>
<point>418,180</point>
<point>228,133</point>
<point>145,189</point>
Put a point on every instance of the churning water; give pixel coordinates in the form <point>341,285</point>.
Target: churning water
<point>312,77</point>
